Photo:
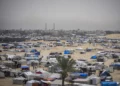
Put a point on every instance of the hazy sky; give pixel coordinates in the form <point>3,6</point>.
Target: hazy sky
<point>66,14</point>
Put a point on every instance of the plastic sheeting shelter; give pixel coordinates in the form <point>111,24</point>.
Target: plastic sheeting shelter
<point>2,75</point>
<point>25,67</point>
<point>109,84</point>
<point>19,46</point>
<point>9,64</point>
<point>105,73</point>
<point>37,53</point>
<point>94,57</point>
<point>33,50</point>
<point>32,82</point>
<point>32,58</point>
<point>23,61</point>
<point>115,65</point>
<point>5,44</point>
<point>68,51</point>
<point>59,83</point>
<point>17,58</point>
<point>82,75</point>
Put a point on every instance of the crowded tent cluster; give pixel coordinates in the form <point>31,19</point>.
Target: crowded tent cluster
<point>35,63</point>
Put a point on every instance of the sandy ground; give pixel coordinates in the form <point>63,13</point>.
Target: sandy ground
<point>76,55</point>
<point>113,36</point>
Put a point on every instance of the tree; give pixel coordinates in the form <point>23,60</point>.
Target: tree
<point>66,65</point>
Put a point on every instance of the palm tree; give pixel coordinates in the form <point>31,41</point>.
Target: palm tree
<point>66,65</point>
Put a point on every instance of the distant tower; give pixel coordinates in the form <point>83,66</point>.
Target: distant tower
<point>53,26</point>
<point>45,26</point>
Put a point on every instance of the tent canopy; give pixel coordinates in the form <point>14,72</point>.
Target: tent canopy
<point>58,82</point>
<point>94,57</point>
<point>33,50</point>
<point>109,84</point>
<point>24,66</point>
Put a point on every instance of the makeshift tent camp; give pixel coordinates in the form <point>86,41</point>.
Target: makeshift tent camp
<point>25,67</point>
<point>109,84</point>
<point>52,60</point>
<point>81,64</point>
<point>78,84</point>
<point>94,57</point>
<point>94,79</point>
<point>59,83</point>
<point>23,61</point>
<point>88,49</point>
<point>10,57</point>
<point>116,65</point>
<point>14,73</point>
<point>9,64</point>
<point>33,83</point>
<point>4,44</point>
<point>79,75</point>
<point>20,46</point>
<point>79,49</point>
<point>18,80</point>
<point>82,81</point>
<point>34,62</point>
<point>3,57</point>
<point>17,58</point>
<point>33,50</point>
<point>69,51</point>
<point>44,73</point>
<point>33,57</point>
<point>101,59</point>
<point>55,76</point>
<point>29,54</point>
<point>2,75</point>
<point>37,53</point>
<point>28,75</point>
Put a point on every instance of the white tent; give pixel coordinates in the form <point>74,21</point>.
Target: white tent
<point>55,76</point>
<point>59,83</point>
<point>23,61</point>
<point>78,84</point>
<point>45,74</point>
<point>79,49</point>
<point>9,63</point>
<point>81,64</point>
<point>10,56</point>
<point>2,75</point>
<point>29,83</point>
<point>83,81</point>
<point>28,75</point>
<point>18,80</point>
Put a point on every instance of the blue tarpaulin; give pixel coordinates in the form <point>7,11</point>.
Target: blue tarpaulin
<point>19,46</point>
<point>109,84</point>
<point>5,44</point>
<point>37,53</point>
<point>67,52</point>
<point>94,57</point>
<point>82,75</point>
<point>24,66</point>
<point>33,50</point>
<point>32,58</point>
<point>115,65</point>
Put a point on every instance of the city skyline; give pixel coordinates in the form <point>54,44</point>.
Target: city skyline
<point>64,14</point>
